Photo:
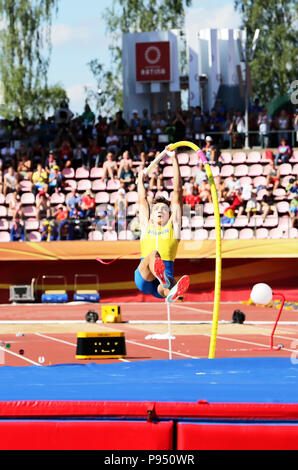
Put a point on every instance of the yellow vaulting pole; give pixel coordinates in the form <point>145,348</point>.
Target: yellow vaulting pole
<point>217,286</point>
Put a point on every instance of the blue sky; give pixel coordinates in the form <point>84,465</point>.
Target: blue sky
<point>79,35</point>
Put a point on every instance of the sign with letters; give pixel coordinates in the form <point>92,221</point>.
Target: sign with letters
<point>153,61</point>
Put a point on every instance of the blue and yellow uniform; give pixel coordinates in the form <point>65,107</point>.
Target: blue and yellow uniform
<point>162,239</point>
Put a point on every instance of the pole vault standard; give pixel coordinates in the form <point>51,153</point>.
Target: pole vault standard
<point>217,287</point>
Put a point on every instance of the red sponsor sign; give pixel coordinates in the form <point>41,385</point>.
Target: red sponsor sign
<point>153,61</point>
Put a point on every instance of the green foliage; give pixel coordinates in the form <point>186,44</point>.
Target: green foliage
<point>25,48</point>
<point>274,66</point>
<point>131,16</point>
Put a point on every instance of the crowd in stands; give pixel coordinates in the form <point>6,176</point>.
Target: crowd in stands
<point>74,177</point>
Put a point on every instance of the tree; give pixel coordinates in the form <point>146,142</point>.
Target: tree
<point>132,16</point>
<point>25,48</point>
<point>274,65</point>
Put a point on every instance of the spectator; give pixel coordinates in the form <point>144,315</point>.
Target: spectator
<point>79,156</point>
<point>127,177</point>
<point>40,180</point>
<point>66,230</point>
<point>252,205</point>
<point>156,179</point>
<point>187,186</point>
<point>220,187</point>
<point>180,126</point>
<point>232,184</point>
<point>293,209</point>
<point>10,181</point>
<point>48,230</point>
<point>158,125</point>
<point>273,176</point>
<point>125,158</point>
<point>63,116</point>
<point>50,161</point>
<point>264,123</point>
<point>120,210</point>
<point>268,204</point>
<point>101,223</point>
<point>37,154</point>
<point>94,153</point>
<point>209,150</point>
<point>88,118</point>
<point>135,226</point>
<point>110,167</point>
<point>65,153</point>
<point>73,204</point>
<point>102,131</point>
<point>228,131</point>
<point>237,202</point>
<point>88,204</point>
<point>193,198</point>
<point>55,180</point>
<point>214,124</point>
<point>200,174</point>
<point>198,126</point>
<point>239,129</point>
<point>43,205</point>
<point>112,142</point>
<point>295,125</point>
<point>228,215</point>
<point>204,192</point>
<point>283,125</point>
<point>15,206</point>
<point>283,152</point>
<point>60,213</point>
<point>145,121</point>
<point>138,142</point>
<point>135,121</point>
<point>17,231</point>
<point>292,187</point>
<point>8,155</point>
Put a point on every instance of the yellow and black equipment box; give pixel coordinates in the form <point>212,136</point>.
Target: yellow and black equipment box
<point>100,345</point>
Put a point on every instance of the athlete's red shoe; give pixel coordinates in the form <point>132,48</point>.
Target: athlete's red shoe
<point>179,289</point>
<point>160,272</point>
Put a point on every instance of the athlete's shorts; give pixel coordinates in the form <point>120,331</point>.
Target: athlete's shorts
<point>150,287</point>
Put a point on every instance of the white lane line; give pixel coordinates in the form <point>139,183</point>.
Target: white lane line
<point>234,340</point>
<point>67,342</point>
<point>19,356</point>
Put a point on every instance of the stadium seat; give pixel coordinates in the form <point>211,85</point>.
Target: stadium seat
<point>208,208</point>
<point>246,234</point>
<point>4,237</point>
<point>25,186</point>
<point>110,235</point>
<point>245,181</point>
<point>113,197</point>
<point>183,158</point>
<point>212,234</point>
<point>223,206</point>
<point>238,158</point>
<point>276,233</point>
<point>225,158</point>
<point>131,196</point>
<point>4,224</point>
<point>31,224</point>
<point>113,185</point>
<point>209,221</point>
<point>295,169</point>
<point>34,236</point>
<point>241,221</point>
<point>186,234</point>
<point>186,223</point>
<point>200,234</point>
<point>102,197</point>
<point>293,232</point>
<point>270,221</point>
<point>230,234</point>
<point>27,198</point>
<point>68,173</point>
<point>279,194</point>
<point>283,207</point>
<point>255,221</point>
<point>82,173</point>
<point>29,211</point>
<point>253,157</point>
<point>241,170</point>
<point>285,181</point>
<point>262,233</point>
<point>255,170</point>
<point>95,235</point>
<point>259,181</point>
<point>2,198</point>
<point>164,194</point>
<point>197,221</point>
<point>98,185</point>
<point>185,171</point>
<point>132,210</point>
<point>226,171</point>
<point>215,171</point>
<point>169,184</point>
<point>70,184</point>
<point>96,172</point>
<point>83,185</point>
<point>3,211</point>
<point>193,159</point>
<point>261,194</point>
<point>126,235</point>
<point>167,171</point>
<point>285,169</point>
<point>294,157</point>
<point>57,198</point>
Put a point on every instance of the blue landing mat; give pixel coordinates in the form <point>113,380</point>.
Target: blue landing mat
<point>237,380</point>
